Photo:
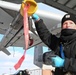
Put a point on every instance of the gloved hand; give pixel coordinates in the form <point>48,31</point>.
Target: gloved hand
<point>57,61</point>
<point>35,17</point>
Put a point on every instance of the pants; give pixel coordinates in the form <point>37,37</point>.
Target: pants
<point>69,73</point>
<point>64,74</point>
<point>60,72</point>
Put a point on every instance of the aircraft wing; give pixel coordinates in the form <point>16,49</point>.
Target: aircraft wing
<point>68,6</point>
<point>11,25</point>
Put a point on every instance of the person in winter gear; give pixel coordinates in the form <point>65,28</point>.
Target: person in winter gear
<point>64,46</point>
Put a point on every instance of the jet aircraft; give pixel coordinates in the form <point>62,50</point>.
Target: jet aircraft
<point>11,23</point>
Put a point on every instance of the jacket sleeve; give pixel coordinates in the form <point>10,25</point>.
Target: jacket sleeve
<point>48,38</point>
<point>70,65</point>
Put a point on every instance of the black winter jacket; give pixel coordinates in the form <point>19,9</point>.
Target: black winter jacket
<point>53,43</point>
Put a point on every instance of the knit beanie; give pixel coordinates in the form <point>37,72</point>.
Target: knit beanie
<point>68,17</point>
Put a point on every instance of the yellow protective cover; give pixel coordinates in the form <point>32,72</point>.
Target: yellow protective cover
<point>32,8</point>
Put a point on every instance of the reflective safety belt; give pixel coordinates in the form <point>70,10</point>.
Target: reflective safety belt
<point>61,51</point>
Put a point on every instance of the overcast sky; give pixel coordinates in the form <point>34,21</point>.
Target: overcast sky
<point>7,62</point>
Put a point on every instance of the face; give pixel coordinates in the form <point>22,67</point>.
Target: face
<point>69,25</point>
